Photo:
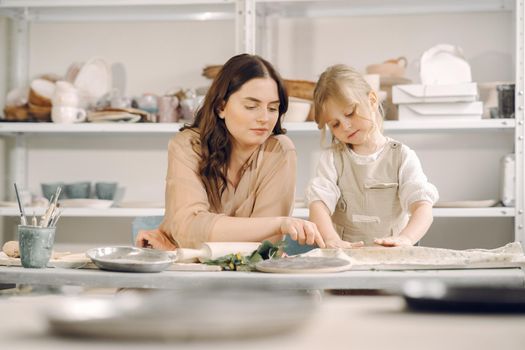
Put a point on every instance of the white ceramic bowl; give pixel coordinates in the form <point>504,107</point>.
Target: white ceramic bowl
<point>297,110</point>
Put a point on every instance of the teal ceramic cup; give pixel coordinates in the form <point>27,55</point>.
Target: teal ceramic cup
<point>78,190</point>
<point>36,245</point>
<point>106,190</point>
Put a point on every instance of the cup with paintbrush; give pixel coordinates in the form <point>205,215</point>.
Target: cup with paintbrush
<point>36,240</point>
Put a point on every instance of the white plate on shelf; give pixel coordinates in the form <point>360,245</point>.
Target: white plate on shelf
<point>467,204</point>
<point>141,204</point>
<point>85,203</point>
<point>94,79</point>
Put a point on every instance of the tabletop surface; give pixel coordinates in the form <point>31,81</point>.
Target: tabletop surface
<point>341,322</point>
<point>512,277</point>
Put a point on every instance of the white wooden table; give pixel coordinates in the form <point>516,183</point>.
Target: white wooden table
<point>512,277</point>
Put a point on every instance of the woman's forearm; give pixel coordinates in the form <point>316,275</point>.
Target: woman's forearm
<point>235,229</point>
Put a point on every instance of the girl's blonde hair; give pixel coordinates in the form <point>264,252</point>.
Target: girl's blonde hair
<point>343,83</point>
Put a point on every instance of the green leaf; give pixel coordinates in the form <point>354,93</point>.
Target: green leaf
<point>238,262</point>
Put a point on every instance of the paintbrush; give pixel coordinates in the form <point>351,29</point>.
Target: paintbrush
<point>22,214</point>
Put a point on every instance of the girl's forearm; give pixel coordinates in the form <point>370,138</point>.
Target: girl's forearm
<point>420,220</point>
<point>320,215</point>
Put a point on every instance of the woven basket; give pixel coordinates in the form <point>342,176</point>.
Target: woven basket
<point>40,113</point>
<point>211,72</point>
<point>16,113</point>
<point>300,88</point>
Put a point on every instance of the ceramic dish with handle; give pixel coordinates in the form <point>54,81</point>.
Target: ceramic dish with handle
<point>131,259</point>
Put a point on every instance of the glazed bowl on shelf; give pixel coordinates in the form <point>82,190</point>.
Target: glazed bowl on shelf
<point>298,110</point>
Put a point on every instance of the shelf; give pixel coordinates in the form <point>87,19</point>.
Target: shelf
<point>340,8</point>
<point>37,128</point>
<point>117,10</point>
<point>146,128</point>
<point>299,212</point>
<point>133,10</point>
<point>438,125</point>
<point>170,128</point>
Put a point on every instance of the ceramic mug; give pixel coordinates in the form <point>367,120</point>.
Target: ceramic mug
<point>168,112</point>
<point>36,245</point>
<point>65,95</point>
<point>67,115</point>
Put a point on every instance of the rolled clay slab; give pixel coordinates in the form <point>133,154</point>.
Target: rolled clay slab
<point>304,264</point>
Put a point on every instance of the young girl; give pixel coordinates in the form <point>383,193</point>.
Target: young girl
<point>366,184</point>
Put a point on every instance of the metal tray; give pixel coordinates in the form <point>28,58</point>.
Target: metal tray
<point>131,259</point>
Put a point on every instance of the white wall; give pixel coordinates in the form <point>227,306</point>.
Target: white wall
<point>307,46</point>
<point>159,56</point>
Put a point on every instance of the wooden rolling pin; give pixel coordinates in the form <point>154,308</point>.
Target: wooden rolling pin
<point>214,250</point>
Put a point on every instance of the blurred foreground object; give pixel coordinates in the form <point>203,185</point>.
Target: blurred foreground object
<point>209,312</point>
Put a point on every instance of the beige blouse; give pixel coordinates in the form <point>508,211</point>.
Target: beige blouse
<point>266,188</point>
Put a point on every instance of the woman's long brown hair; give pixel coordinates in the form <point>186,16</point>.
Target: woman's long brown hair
<point>215,141</point>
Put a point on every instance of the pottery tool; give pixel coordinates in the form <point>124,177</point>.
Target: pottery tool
<point>57,194</point>
<point>43,217</point>
<point>55,219</point>
<point>22,214</point>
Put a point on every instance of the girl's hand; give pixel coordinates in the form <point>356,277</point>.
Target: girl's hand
<point>302,231</point>
<point>153,239</point>
<point>398,241</point>
<point>339,243</point>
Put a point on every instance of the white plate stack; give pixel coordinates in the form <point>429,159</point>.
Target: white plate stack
<point>446,91</point>
<point>437,102</point>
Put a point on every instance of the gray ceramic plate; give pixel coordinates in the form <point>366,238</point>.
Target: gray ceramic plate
<point>131,259</point>
<point>304,264</point>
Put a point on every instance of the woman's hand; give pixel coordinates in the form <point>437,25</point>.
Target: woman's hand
<point>339,243</point>
<point>302,231</point>
<point>154,239</point>
<point>398,241</point>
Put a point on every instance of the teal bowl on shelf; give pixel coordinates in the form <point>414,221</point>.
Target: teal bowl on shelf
<point>106,190</point>
<point>49,189</point>
<point>78,190</point>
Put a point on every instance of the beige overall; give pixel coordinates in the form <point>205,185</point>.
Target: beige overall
<point>369,206</point>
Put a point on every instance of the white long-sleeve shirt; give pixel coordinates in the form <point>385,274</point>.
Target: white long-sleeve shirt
<point>413,184</point>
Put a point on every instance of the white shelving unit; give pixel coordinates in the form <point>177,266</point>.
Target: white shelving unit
<point>249,17</point>
<point>271,12</point>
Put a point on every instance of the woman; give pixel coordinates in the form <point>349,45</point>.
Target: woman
<point>231,174</point>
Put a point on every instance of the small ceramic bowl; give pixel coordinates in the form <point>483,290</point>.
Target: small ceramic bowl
<point>78,190</point>
<point>298,110</point>
<point>106,190</point>
<point>49,189</point>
